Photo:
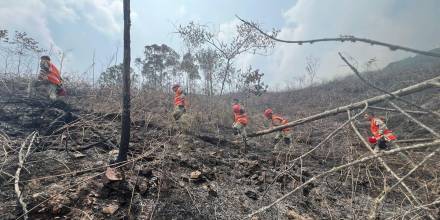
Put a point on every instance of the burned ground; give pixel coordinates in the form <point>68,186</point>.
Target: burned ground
<point>199,171</point>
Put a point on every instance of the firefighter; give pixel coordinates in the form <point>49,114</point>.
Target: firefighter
<point>179,102</point>
<point>277,120</point>
<point>382,136</point>
<point>50,78</point>
<point>240,119</point>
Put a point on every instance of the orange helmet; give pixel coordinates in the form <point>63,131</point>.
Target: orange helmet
<point>236,108</point>
<point>372,140</point>
<point>268,112</point>
<point>175,86</point>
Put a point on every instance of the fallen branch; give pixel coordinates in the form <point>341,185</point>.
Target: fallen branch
<point>338,168</point>
<point>344,38</point>
<point>378,200</point>
<point>430,130</point>
<point>395,110</point>
<point>356,72</point>
<point>333,133</point>
<point>21,160</point>
<point>414,140</point>
<point>401,92</point>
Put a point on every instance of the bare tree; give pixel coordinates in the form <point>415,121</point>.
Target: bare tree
<point>246,39</point>
<point>208,60</point>
<point>312,65</point>
<point>125,132</point>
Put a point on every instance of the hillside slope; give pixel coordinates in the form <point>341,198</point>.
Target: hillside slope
<point>200,171</point>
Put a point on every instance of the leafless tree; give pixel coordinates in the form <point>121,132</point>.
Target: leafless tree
<point>246,39</point>
<point>125,132</point>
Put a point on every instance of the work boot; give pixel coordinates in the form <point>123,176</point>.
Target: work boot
<point>235,131</point>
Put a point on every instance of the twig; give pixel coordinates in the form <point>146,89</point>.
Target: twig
<point>395,110</point>
<point>115,165</point>
<point>356,72</point>
<point>401,92</point>
<point>338,168</point>
<point>335,131</point>
<point>414,140</point>
<point>437,135</point>
<point>343,39</point>
<point>21,160</point>
<point>379,200</point>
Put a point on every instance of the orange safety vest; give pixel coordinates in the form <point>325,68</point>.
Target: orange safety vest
<point>278,120</point>
<point>179,99</point>
<point>239,116</point>
<point>388,134</point>
<point>54,75</point>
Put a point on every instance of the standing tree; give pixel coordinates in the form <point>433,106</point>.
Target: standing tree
<point>125,121</point>
<point>189,66</point>
<point>23,46</point>
<point>312,65</point>
<point>208,60</point>
<point>112,76</point>
<point>252,82</point>
<point>246,39</point>
<point>159,64</point>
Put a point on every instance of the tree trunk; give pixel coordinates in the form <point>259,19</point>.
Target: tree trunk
<point>125,133</point>
<point>401,92</point>
<point>225,77</point>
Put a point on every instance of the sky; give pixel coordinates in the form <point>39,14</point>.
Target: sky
<point>82,28</point>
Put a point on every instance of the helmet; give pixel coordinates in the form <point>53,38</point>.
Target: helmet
<point>236,108</point>
<point>372,140</point>
<point>45,57</point>
<point>175,86</point>
<point>268,112</point>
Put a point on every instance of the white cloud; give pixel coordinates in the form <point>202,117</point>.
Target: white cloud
<point>103,15</point>
<point>410,23</point>
<point>28,16</point>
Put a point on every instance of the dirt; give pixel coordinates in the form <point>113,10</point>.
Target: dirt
<point>175,174</point>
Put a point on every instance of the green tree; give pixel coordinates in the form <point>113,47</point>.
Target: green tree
<point>208,60</point>
<point>189,66</point>
<point>112,76</point>
<point>159,64</point>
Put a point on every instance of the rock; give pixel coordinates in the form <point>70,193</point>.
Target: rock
<point>251,194</point>
<point>113,153</point>
<point>293,215</point>
<point>195,175</point>
<point>110,209</point>
<point>112,174</point>
<point>78,155</point>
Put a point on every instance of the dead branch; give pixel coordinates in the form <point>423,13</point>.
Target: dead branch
<point>343,38</point>
<point>395,110</point>
<point>401,92</point>
<point>356,72</point>
<point>22,156</point>
<point>333,133</point>
<point>414,140</point>
<point>387,190</point>
<point>338,168</point>
<point>378,200</point>
<point>437,135</point>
